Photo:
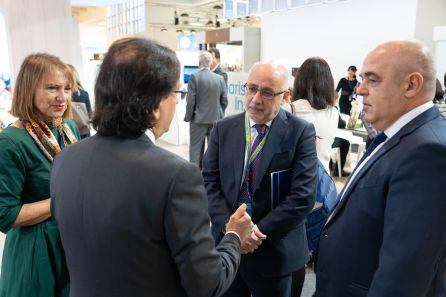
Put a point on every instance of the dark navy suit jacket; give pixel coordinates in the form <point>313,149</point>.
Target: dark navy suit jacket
<point>133,222</point>
<point>387,237</point>
<point>290,144</point>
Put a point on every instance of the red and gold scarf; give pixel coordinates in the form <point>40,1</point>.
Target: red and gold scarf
<point>44,138</point>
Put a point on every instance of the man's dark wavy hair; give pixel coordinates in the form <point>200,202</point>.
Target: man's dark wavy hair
<point>136,74</point>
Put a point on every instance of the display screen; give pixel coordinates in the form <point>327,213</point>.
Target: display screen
<point>187,71</point>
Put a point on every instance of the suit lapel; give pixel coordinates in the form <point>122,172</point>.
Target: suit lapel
<point>358,176</point>
<point>238,153</point>
<point>273,141</point>
<point>426,116</point>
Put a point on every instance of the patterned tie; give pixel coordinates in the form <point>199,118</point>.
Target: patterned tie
<point>247,190</point>
<point>261,130</point>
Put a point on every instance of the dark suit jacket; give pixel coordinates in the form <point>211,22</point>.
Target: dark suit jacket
<point>133,222</point>
<point>290,144</point>
<point>387,237</point>
<point>206,97</point>
<point>220,71</point>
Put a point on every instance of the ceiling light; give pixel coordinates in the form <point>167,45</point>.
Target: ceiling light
<point>163,30</point>
<point>193,31</point>
<point>209,23</point>
<point>184,15</point>
<point>217,7</point>
<point>196,24</point>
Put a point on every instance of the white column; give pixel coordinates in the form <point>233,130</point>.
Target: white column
<point>440,51</point>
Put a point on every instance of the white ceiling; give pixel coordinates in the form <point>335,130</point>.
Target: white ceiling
<point>111,2</point>
<point>193,14</point>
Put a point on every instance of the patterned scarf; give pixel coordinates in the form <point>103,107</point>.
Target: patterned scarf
<point>44,138</point>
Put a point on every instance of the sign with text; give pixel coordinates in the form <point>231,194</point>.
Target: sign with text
<point>236,93</point>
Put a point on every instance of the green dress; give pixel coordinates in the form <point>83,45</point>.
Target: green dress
<point>33,262</point>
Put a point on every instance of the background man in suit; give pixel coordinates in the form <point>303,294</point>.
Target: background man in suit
<point>243,152</point>
<point>215,64</point>
<point>133,217</point>
<point>387,236</point>
<point>206,103</point>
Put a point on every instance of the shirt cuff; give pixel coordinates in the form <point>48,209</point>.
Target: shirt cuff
<point>238,236</point>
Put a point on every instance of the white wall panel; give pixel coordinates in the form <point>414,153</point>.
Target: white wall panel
<point>430,13</point>
<point>40,26</point>
<point>341,32</point>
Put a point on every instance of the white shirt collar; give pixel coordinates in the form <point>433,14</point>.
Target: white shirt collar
<point>252,123</point>
<point>216,66</point>
<point>151,136</point>
<point>406,118</point>
<point>391,131</point>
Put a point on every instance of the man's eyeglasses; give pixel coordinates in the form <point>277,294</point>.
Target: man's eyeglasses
<point>267,94</point>
<point>182,93</point>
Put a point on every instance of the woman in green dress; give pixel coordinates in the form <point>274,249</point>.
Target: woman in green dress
<point>33,262</point>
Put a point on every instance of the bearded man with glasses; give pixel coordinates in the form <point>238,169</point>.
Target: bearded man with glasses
<point>265,158</point>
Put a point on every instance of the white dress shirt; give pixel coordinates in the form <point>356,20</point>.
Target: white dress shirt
<point>325,122</point>
<point>390,132</point>
<point>151,136</point>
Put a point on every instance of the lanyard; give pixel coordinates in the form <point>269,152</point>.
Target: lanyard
<point>248,156</point>
<point>252,156</point>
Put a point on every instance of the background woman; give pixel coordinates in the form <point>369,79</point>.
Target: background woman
<point>81,107</point>
<point>313,100</point>
<point>33,258</point>
<point>347,86</point>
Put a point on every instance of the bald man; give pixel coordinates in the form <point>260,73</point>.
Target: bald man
<point>387,236</point>
<point>248,150</point>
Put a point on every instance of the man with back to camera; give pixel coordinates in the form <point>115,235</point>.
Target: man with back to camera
<point>387,236</point>
<point>206,103</point>
<point>215,65</point>
<point>245,151</point>
<point>132,216</point>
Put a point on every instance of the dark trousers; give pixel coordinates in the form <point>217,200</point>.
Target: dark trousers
<point>198,134</point>
<point>297,282</point>
<point>252,283</point>
<point>344,146</point>
<point>345,105</point>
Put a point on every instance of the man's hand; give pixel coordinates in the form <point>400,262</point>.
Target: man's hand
<point>253,241</point>
<point>240,223</point>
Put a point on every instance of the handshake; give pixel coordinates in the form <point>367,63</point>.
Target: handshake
<point>250,236</point>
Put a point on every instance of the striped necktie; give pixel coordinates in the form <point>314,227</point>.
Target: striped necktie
<point>247,185</point>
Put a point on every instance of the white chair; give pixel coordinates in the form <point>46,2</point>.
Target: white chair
<point>361,149</point>
<point>336,158</point>
<point>354,140</point>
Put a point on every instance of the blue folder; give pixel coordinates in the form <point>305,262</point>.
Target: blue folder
<point>280,186</point>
